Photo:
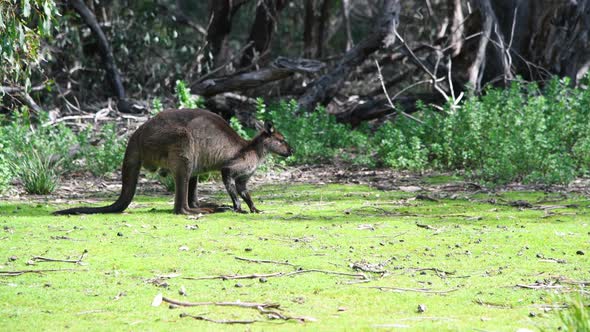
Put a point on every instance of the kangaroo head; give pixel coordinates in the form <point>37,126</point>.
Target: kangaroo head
<point>275,141</point>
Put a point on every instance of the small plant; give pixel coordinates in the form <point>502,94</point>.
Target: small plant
<point>5,174</point>
<point>37,170</point>
<point>237,126</point>
<point>577,316</point>
<point>157,106</point>
<point>186,99</point>
<point>105,157</point>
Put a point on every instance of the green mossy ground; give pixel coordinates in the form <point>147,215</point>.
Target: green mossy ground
<point>488,248</point>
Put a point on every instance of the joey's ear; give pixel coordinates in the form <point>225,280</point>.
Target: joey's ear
<point>268,127</point>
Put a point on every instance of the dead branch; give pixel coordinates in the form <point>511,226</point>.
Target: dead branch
<point>251,305</point>
<point>182,315</point>
<point>78,261</point>
<point>277,274</point>
<point>417,290</point>
<point>263,308</point>
<point>263,261</point>
<point>280,69</point>
<point>21,272</point>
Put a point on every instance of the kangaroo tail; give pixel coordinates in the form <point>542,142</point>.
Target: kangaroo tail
<point>131,167</point>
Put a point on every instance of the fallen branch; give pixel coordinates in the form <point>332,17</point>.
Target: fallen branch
<point>539,286</point>
<point>277,274</point>
<point>263,308</point>
<point>21,272</point>
<point>417,290</point>
<point>78,261</point>
<point>427,227</point>
<point>182,315</point>
<point>265,261</point>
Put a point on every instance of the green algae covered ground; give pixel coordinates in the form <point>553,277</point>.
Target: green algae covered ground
<point>470,262</point>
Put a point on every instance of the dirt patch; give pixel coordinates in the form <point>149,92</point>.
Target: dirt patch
<point>86,188</point>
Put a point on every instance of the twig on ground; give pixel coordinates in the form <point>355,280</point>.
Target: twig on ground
<point>252,260</point>
<point>263,308</point>
<point>539,286</point>
<point>427,227</point>
<point>492,305</point>
<point>182,315</point>
<point>21,272</point>
<point>278,274</point>
<point>78,261</point>
<point>417,290</point>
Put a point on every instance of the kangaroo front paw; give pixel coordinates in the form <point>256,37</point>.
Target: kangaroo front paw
<point>255,210</point>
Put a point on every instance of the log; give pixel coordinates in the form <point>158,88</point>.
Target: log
<point>280,69</point>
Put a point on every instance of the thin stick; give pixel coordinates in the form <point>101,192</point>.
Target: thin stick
<point>277,274</point>
<point>389,98</point>
<point>18,273</point>
<point>539,286</point>
<point>41,259</point>
<point>219,321</point>
<point>417,290</point>
<point>251,305</point>
<point>262,261</point>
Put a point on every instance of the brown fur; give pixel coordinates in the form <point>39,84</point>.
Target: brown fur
<point>186,143</point>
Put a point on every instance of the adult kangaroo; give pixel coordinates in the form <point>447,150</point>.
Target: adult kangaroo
<point>185,143</point>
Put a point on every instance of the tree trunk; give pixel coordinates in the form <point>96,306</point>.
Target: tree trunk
<point>322,90</point>
<point>106,53</point>
<point>267,16</point>
<point>346,15</point>
<point>323,20</point>
<point>221,13</point>
<point>308,28</point>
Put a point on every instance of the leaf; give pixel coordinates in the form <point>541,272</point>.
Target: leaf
<point>157,300</point>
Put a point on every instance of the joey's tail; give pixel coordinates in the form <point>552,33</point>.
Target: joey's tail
<point>131,167</point>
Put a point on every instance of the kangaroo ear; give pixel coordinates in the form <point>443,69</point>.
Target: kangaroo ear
<point>268,127</point>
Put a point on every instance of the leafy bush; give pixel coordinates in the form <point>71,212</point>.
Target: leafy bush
<point>37,170</point>
<point>5,174</point>
<point>105,157</point>
<point>186,99</point>
<point>315,136</point>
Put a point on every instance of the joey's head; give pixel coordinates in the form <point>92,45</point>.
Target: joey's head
<point>274,141</point>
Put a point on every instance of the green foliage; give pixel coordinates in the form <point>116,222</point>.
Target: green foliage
<point>577,316</point>
<point>106,156</point>
<point>22,25</point>
<point>157,106</point>
<point>37,169</point>
<point>5,174</point>
<point>237,126</point>
<point>399,150</point>
<point>315,136</point>
<point>185,99</point>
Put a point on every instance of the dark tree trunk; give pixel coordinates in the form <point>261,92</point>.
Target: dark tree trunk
<point>267,16</point>
<point>221,13</point>
<point>106,54</point>
<point>324,88</point>
<point>308,28</point>
<point>323,20</point>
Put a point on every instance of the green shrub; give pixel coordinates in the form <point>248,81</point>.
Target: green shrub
<point>577,316</point>
<point>186,99</point>
<point>315,136</point>
<point>37,170</point>
<point>5,174</point>
<point>106,156</point>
